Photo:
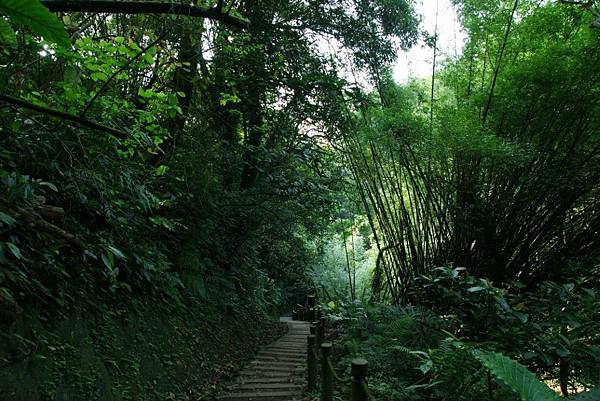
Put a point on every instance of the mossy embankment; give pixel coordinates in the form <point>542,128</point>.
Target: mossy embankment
<point>135,350</point>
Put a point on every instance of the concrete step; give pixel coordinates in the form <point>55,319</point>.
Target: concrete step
<point>276,364</point>
<point>265,368</point>
<point>284,348</point>
<point>289,342</point>
<point>281,380</point>
<point>280,358</point>
<point>270,386</point>
<point>254,395</point>
<point>286,354</point>
<point>266,374</point>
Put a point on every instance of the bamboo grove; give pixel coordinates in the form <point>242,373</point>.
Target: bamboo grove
<point>500,170</point>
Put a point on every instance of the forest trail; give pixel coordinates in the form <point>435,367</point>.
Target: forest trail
<point>277,372</point>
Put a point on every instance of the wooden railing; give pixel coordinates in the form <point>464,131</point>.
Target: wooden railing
<point>319,359</point>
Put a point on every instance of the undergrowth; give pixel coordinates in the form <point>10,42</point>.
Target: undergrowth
<point>130,350</point>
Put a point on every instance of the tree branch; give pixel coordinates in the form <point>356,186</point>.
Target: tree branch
<point>34,220</point>
<point>145,7</point>
<point>579,3</point>
<point>62,115</point>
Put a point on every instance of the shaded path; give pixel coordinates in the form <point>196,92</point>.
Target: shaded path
<point>277,372</point>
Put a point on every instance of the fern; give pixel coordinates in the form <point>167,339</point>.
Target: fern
<point>516,376</point>
<point>402,349</point>
<point>446,346</point>
<point>400,329</point>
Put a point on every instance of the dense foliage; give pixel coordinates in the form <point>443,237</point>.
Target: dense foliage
<point>165,159</point>
<point>502,176</point>
<point>459,328</point>
<point>495,175</point>
<point>201,176</point>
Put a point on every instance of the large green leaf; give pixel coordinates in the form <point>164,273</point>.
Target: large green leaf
<point>517,377</point>
<point>38,18</point>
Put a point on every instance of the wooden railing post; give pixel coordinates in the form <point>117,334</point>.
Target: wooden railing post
<point>310,308</point>
<point>321,330</point>
<point>359,383</point>
<point>311,362</point>
<point>326,373</point>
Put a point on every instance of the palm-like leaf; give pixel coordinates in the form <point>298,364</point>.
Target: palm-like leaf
<point>517,377</point>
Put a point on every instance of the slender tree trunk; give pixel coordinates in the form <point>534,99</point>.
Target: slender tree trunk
<point>435,38</point>
<point>499,62</point>
<point>564,377</point>
<point>351,291</point>
<point>253,139</point>
<point>353,265</point>
<point>184,79</point>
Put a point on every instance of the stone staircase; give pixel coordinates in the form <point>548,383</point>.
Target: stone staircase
<point>277,372</point>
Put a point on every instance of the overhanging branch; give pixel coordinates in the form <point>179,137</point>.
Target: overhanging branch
<point>62,115</point>
<point>145,7</point>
